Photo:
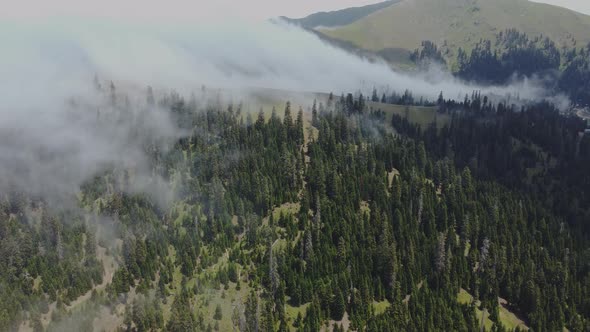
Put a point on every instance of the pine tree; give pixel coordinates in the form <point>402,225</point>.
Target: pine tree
<point>252,313</point>
<point>375,98</point>
<point>338,306</point>
<point>218,315</point>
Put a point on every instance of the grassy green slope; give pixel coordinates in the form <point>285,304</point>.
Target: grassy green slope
<point>423,116</point>
<point>507,318</point>
<point>460,23</point>
<point>339,17</point>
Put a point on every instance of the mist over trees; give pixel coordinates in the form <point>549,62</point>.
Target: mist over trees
<point>514,55</point>
<point>327,213</point>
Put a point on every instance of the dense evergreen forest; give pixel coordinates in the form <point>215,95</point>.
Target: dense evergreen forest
<point>329,219</point>
<point>515,55</point>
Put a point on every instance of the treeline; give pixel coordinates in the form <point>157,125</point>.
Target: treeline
<point>428,54</point>
<point>513,54</point>
<point>576,75</point>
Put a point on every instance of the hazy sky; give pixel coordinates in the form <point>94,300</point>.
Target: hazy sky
<point>48,148</point>
<point>172,9</point>
<point>582,6</point>
<point>196,9</point>
<point>201,9</point>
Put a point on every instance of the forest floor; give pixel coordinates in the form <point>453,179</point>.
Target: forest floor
<point>507,318</point>
<point>421,115</point>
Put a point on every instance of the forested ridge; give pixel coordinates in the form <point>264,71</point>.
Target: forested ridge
<point>514,55</point>
<point>328,218</point>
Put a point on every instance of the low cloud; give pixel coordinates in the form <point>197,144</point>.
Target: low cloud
<point>57,131</point>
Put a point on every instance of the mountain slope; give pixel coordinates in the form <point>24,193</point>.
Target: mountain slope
<point>339,17</point>
<point>460,23</point>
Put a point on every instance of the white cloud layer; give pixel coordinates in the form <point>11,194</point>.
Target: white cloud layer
<point>48,146</point>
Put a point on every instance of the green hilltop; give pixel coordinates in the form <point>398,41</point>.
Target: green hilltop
<point>339,17</point>
<point>400,27</point>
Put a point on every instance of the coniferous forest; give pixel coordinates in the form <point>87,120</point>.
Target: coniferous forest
<point>514,55</point>
<point>337,217</point>
<point>265,203</point>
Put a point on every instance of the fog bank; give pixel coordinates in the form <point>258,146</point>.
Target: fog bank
<point>49,145</point>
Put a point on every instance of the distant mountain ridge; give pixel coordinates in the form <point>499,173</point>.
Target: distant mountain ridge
<point>339,17</point>
<point>400,26</point>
